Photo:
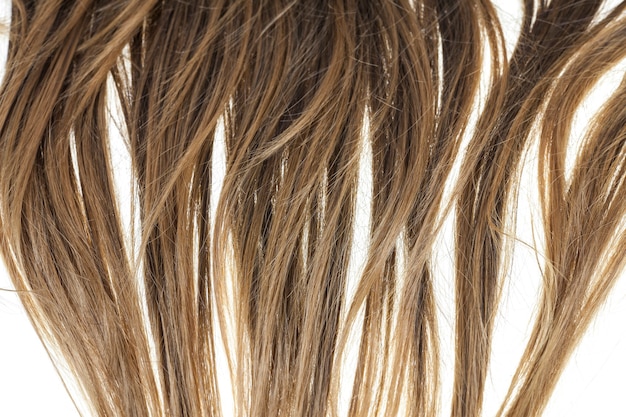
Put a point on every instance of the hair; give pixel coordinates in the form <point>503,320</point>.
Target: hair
<point>308,100</point>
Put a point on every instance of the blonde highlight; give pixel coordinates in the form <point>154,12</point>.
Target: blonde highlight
<point>296,93</point>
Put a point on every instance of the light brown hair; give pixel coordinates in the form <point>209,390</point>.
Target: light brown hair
<point>299,91</point>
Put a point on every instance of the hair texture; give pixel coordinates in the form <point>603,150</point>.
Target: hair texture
<point>297,92</point>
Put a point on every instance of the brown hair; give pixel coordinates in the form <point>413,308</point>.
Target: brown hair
<point>300,93</point>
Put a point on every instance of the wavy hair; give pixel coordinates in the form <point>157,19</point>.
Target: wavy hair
<point>308,101</point>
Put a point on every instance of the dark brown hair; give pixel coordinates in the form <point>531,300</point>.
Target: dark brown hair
<point>299,93</point>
